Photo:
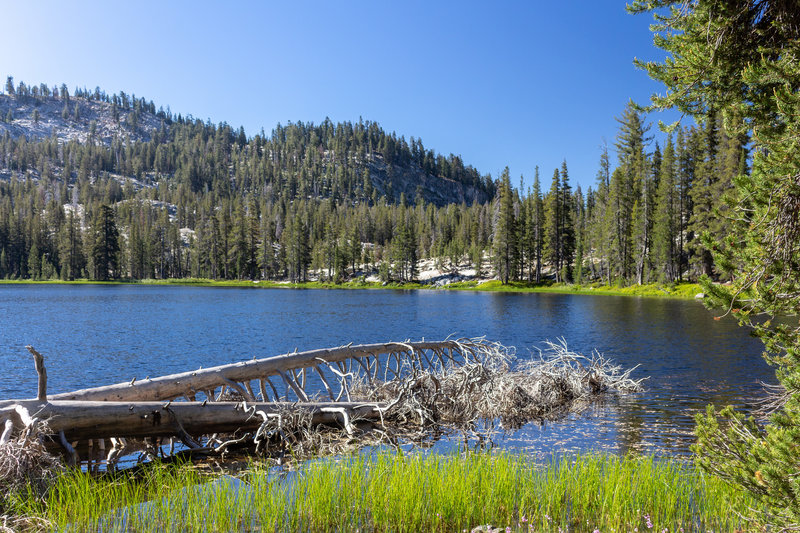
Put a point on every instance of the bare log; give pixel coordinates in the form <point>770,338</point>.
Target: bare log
<point>80,420</point>
<point>466,385</point>
<point>175,385</point>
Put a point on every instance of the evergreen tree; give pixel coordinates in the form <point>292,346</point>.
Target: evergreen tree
<point>505,230</point>
<point>736,57</point>
<point>70,249</point>
<point>404,247</point>
<point>603,225</point>
<point>537,226</point>
<point>667,217</point>
<point>629,210</point>
<point>687,154</point>
<point>578,206</point>
<point>104,245</point>
<point>552,249</point>
<point>566,225</point>
<point>295,243</point>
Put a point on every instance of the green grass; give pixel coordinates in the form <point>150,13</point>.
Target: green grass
<point>389,492</point>
<point>653,290</point>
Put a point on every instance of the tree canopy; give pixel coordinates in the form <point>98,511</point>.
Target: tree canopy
<point>741,58</point>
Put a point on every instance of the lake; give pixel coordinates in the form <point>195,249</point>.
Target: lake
<point>100,334</point>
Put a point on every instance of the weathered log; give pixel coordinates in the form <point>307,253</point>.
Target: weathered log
<point>175,385</point>
<point>80,420</point>
<point>426,386</point>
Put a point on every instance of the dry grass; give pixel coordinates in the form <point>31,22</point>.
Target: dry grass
<point>27,471</point>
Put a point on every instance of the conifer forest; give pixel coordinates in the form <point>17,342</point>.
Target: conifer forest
<point>105,187</point>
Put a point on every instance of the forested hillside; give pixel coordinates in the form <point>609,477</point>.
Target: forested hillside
<point>107,187</point>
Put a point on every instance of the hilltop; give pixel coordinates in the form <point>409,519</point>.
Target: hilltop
<point>345,161</point>
<point>73,119</point>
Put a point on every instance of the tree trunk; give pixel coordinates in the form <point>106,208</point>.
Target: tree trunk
<point>81,420</point>
<point>176,385</point>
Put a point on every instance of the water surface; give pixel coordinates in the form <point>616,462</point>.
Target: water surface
<point>99,334</point>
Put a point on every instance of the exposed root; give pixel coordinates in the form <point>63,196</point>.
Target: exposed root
<point>471,397</point>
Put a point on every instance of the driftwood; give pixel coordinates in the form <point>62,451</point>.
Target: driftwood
<point>99,420</point>
<point>235,375</point>
<point>409,390</point>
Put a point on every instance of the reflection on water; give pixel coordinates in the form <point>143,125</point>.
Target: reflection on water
<point>95,335</point>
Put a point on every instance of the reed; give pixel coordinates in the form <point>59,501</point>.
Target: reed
<point>385,491</point>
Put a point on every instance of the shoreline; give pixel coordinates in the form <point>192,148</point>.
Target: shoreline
<point>680,291</point>
<point>403,492</point>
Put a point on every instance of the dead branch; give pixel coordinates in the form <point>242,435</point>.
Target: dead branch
<point>38,360</point>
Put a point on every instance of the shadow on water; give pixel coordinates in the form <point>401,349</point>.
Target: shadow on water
<point>95,335</point>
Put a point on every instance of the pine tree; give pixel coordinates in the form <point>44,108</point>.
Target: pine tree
<point>505,230</point>
<point>580,234</point>
<point>295,242</point>
<point>404,248</point>
<point>551,250</point>
<point>736,57</point>
<point>602,224</point>
<point>104,245</point>
<point>566,225</point>
<point>687,153</point>
<point>629,209</point>
<point>537,223</point>
<point>714,174</point>
<point>667,217</point>
<point>705,193</point>
<point>70,249</point>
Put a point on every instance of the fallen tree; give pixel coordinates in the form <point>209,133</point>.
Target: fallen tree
<point>392,391</point>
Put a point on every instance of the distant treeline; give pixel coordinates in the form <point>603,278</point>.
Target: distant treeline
<point>205,200</point>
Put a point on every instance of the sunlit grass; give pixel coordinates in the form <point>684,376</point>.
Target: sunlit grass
<point>652,290</point>
<point>390,492</point>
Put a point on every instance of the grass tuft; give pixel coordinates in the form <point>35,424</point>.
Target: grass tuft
<point>394,492</point>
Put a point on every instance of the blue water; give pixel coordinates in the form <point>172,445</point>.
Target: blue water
<point>95,335</point>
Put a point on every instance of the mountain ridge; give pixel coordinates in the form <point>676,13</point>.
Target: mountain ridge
<point>397,170</point>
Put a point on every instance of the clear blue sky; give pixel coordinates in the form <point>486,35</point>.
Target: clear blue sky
<point>500,83</point>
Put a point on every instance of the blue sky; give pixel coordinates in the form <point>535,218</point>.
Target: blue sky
<point>500,83</point>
